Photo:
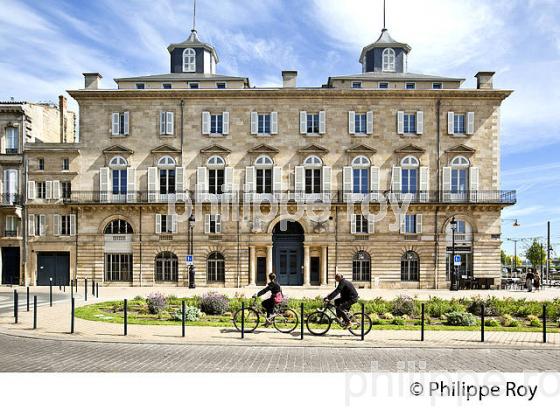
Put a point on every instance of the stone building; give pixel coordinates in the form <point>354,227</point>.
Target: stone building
<point>417,147</point>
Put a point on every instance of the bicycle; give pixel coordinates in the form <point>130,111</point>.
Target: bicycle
<point>284,319</point>
<point>327,315</point>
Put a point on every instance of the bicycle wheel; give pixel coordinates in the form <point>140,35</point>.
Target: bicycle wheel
<point>318,323</point>
<point>251,321</point>
<point>356,327</point>
<point>286,321</point>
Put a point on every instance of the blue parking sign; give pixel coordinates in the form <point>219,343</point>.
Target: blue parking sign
<point>189,259</point>
<point>457,260</point>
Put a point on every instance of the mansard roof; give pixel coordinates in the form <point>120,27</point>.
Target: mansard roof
<point>384,40</point>
<point>182,77</point>
<point>391,76</point>
<point>194,41</point>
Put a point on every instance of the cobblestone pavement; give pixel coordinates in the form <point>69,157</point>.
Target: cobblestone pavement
<point>34,355</point>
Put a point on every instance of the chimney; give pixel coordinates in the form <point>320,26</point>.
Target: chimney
<point>62,107</point>
<point>92,81</point>
<point>289,79</point>
<point>484,80</point>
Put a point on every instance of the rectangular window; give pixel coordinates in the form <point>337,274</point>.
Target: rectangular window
<point>41,164</point>
<point>361,224</point>
<point>11,226</point>
<point>166,122</point>
<point>215,224</point>
<point>409,180</point>
<point>193,85</point>
<point>409,123</point>
<point>410,224</point>
<point>65,164</point>
<point>360,123</point>
<point>167,224</point>
<point>459,124</point>
<point>39,225</point>
<point>140,86</point>
<point>264,181</point>
<point>66,187</point>
<point>410,86</point>
<point>216,124</point>
<point>120,123</point>
<point>221,85</point>
<point>167,181</point>
<point>313,123</point>
<point>313,181</point>
<point>215,181</point>
<point>263,126</point>
<point>166,86</point>
<point>356,84</point>
<point>41,189</point>
<point>383,85</point>
<point>65,225</point>
<point>118,267</point>
<point>360,179</point>
<point>458,180</point>
<point>12,140</point>
<point>437,86</point>
<point>119,181</point>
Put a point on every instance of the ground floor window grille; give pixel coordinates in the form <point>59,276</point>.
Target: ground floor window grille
<point>167,266</point>
<point>361,267</point>
<point>118,267</point>
<point>215,269</point>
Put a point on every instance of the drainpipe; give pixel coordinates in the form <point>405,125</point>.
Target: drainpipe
<point>335,240</point>
<point>436,229</point>
<point>76,248</point>
<point>182,128</point>
<point>24,216</point>
<point>140,238</point>
<point>238,256</point>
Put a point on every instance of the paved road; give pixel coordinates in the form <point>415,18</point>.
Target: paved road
<point>34,355</point>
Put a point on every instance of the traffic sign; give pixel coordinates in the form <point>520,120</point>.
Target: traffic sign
<point>457,260</point>
<point>189,259</point>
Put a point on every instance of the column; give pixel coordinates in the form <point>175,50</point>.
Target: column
<point>324,265</point>
<point>269,268</point>
<point>306,266</point>
<point>252,266</point>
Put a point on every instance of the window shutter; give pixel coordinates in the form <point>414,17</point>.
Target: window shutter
<point>180,183</point>
<point>225,123</point>
<point>424,184</point>
<point>173,223</point>
<point>48,189</point>
<point>218,223</point>
<point>162,128</point>
<point>104,184</point>
<point>419,122</point>
<point>205,123</point>
<point>451,123</point>
<point>30,190</point>
<point>158,223</point>
<point>473,181</point>
<point>42,224</point>
<point>277,180</point>
<point>228,179</point>
<point>326,179</point>
<point>115,126</point>
<point>169,119</point>
<point>396,180</point>
<point>303,122</point>
<point>353,224</point>
<point>351,122</point>
<point>31,225</point>
<point>369,122</point>
<point>130,184</point>
<point>400,122</point>
<point>201,183</point>
<point>250,180</point>
<point>371,224</point>
<point>274,122</point>
<point>322,122</point>
<point>347,182</point>
<point>207,223</point>
<point>56,224</point>
<point>152,184</point>
<point>470,123</point>
<point>403,222</point>
<point>299,185</point>
<point>72,224</point>
<point>254,123</point>
<point>446,183</point>
<point>418,223</point>
<point>126,122</point>
<point>56,194</point>
<point>374,183</point>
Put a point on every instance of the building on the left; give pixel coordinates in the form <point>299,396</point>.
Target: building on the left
<point>25,127</point>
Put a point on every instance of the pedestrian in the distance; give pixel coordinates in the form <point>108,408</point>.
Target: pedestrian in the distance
<point>529,280</point>
<point>537,281</point>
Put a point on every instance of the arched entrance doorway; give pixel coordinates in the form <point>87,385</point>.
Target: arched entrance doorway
<point>287,251</point>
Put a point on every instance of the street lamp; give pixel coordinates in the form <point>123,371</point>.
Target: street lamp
<point>192,284</point>
<point>454,281</point>
<point>515,223</point>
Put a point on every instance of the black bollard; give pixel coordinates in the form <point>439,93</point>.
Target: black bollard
<point>482,324</point>
<point>72,317</point>
<point>422,322</point>
<point>15,301</point>
<point>301,324</point>
<point>544,323</point>
<point>28,298</point>
<point>97,290</point>
<point>76,282</point>
<point>34,311</point>
<point>50,292</point>
<point>16,306</point>
<point>363,317</point>
<point>59,287</point>
<point>93,287</point>
<point>64,288</point>
<point>85,289</point>
<point>125,317</point>
<point>183,317</point>
<point>242,320</point>
<point>72,289</point>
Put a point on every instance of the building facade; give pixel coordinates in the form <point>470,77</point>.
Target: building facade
<point>361,176</point>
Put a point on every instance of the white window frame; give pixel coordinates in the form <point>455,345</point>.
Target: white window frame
<point>356,84</point>
<point>189,60</point>
<point>66,164</point>
<point>166,86</point>
<point>12,140</point>
<point>406,85</point>
<point>389,60</point>
<point>194,85</point>
<point>218,85</point>
<point>383,82</point>
<point>140,86</point>
<point>437,88</point>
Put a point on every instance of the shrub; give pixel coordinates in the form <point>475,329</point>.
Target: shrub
<point>398,321</point>
<point>509,321</point>
<point>403,305</point>
<point>491,322</point>
<point>173,300</point>
<point>460,319</point>
<point>388,316</point>
<point>192,314</point>
<point>156,303</point>
<point>534,321</point>
<point>377,305</point>
<point>375,319</point>
<point>436,307</point>
<point>213,303</point>
<point>475,307</point>
<point>138,298</point>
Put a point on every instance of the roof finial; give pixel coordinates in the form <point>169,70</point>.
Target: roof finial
<point>384,11</point>
<point>194,17</point>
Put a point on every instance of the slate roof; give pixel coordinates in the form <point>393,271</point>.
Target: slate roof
<point>182,77</point>
<point>193,41</point>
<point>384,40</point>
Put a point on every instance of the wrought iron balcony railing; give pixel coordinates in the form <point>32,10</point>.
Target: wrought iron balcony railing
<point>10,199</point>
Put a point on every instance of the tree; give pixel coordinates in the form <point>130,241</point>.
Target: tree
<point>536,254</point>
<point>506,259</point>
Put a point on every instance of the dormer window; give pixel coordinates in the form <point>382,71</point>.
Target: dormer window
<point>388,59</point>
<point>189,60</point>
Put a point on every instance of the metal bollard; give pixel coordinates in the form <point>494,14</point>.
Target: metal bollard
<point>363,317</point>
<point>97,290</point>
<point>50,292</point>
<point>76,283</point>
<point>34,311</point>
<point>482,324</point>
<point>301,330</point>
<point>72,317</point>
<point>93,287</point>
<point>64,288</point>
<point>72,289</point>
<point>85,289</point>
<point>16,306</point>
<point>242,320</point>
<point>28,298</point>
<point>544,323</point>
<point>15,301</point>
<point>183,317</point>
<point>125,317</point>
<point>422,322</point>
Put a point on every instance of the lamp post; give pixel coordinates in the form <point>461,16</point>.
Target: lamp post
<point>191,220</point>
<point>454,284</point>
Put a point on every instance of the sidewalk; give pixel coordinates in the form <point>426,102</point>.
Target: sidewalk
<point>54,323</point>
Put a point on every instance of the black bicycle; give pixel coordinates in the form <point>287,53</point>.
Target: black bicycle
<point>319,322</point>
<point>284,319</point>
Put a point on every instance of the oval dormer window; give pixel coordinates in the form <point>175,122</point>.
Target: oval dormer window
<point>388,59</point>
<point>189,60</point>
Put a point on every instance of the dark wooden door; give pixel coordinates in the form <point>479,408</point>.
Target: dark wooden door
<point>10,266</point>
<point>55,265</point>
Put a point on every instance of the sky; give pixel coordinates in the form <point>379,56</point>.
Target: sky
<point>48,44</point>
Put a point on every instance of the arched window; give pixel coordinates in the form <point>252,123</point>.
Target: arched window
<point>166,162</point>
<point>360,175</point>
<point>189,60</point>
<point>459,174</point>
<point>167,176</point>
<point>118,227</point>
<point>264,161</point>
<point>263,174</point>
<point>388,59</point>
<point>312,166</point>
<point>361,267</point>
<point>410,267</point>
<point>216,162</point>
<point>216,174</point>
<point>312,161</point>
<point>119,175</point>
<point>409,173</point>
<point>460,161</point>
<point>215,267</point>
<point>118,162</point>
<point>166,267</point>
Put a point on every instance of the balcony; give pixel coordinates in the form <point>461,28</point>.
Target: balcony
<point>333,197</point>
<point>10,199</point>
<point>9,233</point>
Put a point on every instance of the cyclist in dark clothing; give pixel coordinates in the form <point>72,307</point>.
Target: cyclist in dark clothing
<point>275,296</point>
<point>348,296</point>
